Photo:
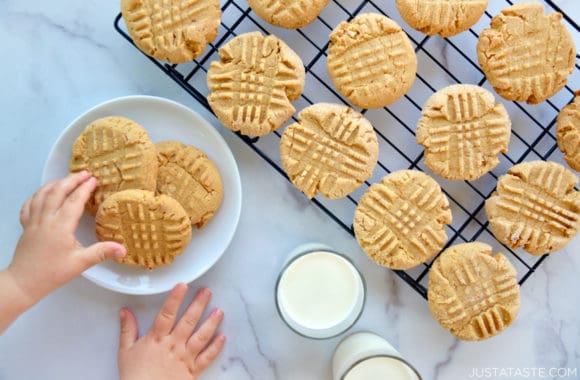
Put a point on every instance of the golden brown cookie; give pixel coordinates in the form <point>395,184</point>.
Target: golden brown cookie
<point>289,14</point>
<point>463,129</point>
<point>535,207</point>
<point>332,149</point>
<point>472,293</point>
<point>172,30</point>
<point>568,132</point>
<point>526,55</point>
<point>444,17</point>
<point>118,152</point>
<point>371,60</point>
<point>400,223</point>
<point>254,82</point>
<point>154,229</point>
<point>187,175</point>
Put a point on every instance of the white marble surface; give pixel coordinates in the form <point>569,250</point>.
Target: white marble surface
<point>62,57</point>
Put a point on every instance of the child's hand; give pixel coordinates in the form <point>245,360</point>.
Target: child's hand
<point>170,350</point>
<point>48,254</point>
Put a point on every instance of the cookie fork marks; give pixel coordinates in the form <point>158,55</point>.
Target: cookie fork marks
<point>332,149</point>
<point>154,229</point>
<point>472,293</point>
<point>254,82</point>
<point>535,207</point>
<point>463,130</point>
<point>172,30</point>
<point>400,223</point>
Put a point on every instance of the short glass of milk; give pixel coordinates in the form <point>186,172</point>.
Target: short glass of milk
<point>365,355</point>
<point>319,293</point>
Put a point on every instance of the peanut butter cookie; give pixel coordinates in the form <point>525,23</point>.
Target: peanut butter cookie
<point>526,55</point>
<point>118,152</point>
<point>254,82</point>
<point>568,132</point>
<point>473,293</point>
<point>332,149</point>
<point>444,17</point>
<point>187,175</point>
<point>463,129</point>
<point>371,60</point>
<point>154,229</point>
<point>400,222</point>
<point>535,207</point>
<point>172,30</point>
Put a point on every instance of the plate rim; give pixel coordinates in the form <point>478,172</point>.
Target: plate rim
<point>212,130</point>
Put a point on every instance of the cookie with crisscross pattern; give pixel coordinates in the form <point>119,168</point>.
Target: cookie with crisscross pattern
<point>473,293</point>
<point>253,84</point>
<point>154,229</point>
<point>568,132</point>
<point>332,149</point>
<point>444,17</point>
<point>117,151</point>
<point>187,175</point>
<point>172,30</point>
<point>535,207</point>
<point>289,14</point>
<point>526,55</point>
<point>371,60</point>
<point>463,130</point>
<point>400,222</point>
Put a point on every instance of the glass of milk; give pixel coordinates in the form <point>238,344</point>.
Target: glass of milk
<point>365,355</point>
<point>319,293</point>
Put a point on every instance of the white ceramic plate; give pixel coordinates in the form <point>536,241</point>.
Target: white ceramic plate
<point>164,120</point>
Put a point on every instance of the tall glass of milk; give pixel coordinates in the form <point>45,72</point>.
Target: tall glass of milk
<point>319,293</point>
<point>365,355</point>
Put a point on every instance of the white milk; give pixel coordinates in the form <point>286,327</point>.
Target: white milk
<point>364,355</point>
<point>320,294</point>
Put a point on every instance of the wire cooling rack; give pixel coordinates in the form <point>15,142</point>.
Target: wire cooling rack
<point>441,62</point>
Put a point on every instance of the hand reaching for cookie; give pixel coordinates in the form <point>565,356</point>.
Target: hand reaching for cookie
<point>171,350</point>
<point>48,255</point>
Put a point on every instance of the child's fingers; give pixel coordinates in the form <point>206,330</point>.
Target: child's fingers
<point>186,325</point>
<point>37,202</point>
<point>74,205</point>
<point>129,329</point>
<point>62,188</point>
<point>166,317</point>
<point>210,353</point>
<point>25,212</point>
<point>100,252</point>
<point>201,337</point>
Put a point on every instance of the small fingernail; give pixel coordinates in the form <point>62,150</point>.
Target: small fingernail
<point>181,287</point>
<point>122,313</point>
<point>206,292</point>
<point>221,337</point>
<point>218,312</point>
<point>83,173</point>
<point>120,252</point>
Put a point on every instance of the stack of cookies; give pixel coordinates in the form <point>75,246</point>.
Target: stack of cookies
<point>148,195</point>
<point>332,149</point>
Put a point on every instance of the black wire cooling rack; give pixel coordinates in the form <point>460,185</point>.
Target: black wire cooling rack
<point>441,62</point>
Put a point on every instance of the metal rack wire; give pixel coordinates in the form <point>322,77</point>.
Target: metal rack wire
<point>441,62</point>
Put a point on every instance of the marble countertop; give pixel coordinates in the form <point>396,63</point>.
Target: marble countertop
<point>63,57</point>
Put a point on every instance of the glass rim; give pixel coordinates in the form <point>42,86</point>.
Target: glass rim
<point>304,253</point>
<point>397,358</point>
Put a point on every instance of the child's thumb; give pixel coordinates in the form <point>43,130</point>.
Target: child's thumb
<point>129,330</point>
<point>100,252</point>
